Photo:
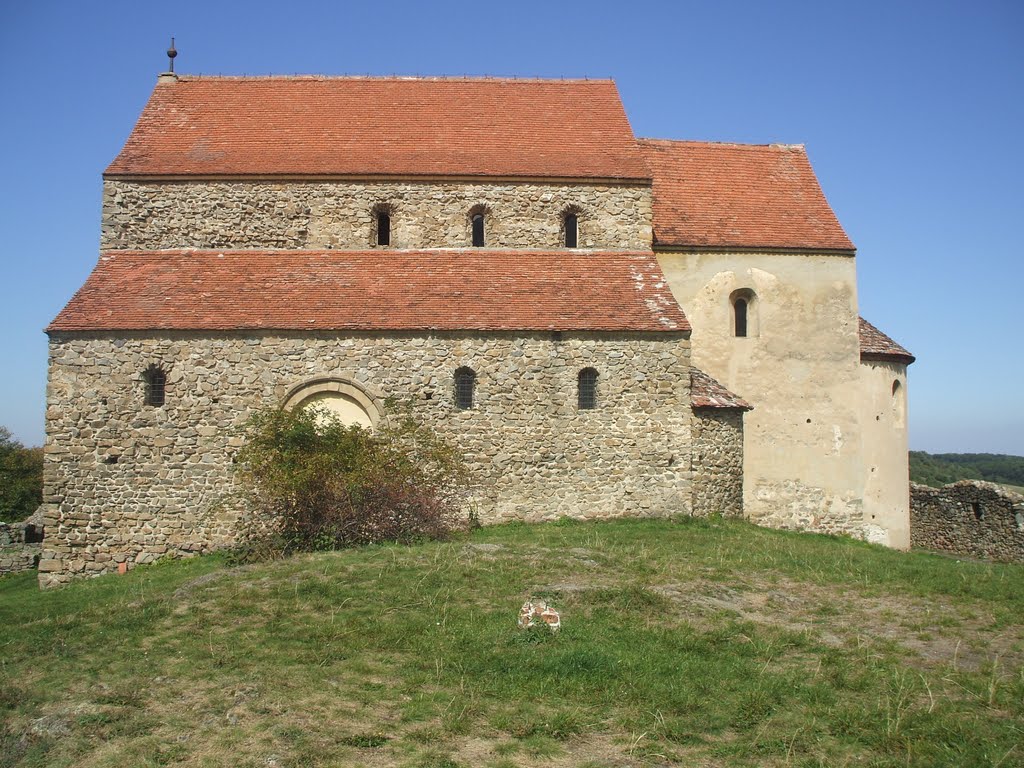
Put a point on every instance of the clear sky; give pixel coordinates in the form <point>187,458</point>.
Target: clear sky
<point>912,114</point>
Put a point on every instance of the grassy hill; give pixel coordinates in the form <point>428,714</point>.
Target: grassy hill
<point>682,643</point>
<point>942,468</point>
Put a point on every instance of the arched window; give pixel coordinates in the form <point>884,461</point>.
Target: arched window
<point>478,221</point>
<point>478,230</point>
<point>571,222</point>
<point>739,307</point>
<point>156,385</point>
<point>898,403</point>
<point>744,313</point>
<point>382,224</point>
<point>465,378</point>
<point>587,389</point>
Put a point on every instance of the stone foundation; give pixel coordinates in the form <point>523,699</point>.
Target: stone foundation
<point>718,462</point>
<point>130,483</point>
<point>264,215</point>
<point>970,518</point>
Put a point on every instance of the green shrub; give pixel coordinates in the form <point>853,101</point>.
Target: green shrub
<point>317,484</point>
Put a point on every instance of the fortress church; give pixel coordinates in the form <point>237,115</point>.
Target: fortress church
<point>605,325</point>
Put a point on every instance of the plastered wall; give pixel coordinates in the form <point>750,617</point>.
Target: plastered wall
<point>886,460</point>
<point>799,368</point>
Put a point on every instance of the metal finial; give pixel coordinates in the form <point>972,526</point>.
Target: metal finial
<point>171,53</point>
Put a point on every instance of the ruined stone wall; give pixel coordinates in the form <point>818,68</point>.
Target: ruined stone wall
<point>255,214</point>
<point>20,546</point>
<point>718,462</point>
<point>129,483</point>
<point>970,518</point>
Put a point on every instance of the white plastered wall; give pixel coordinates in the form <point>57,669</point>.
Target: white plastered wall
<point>884,434</point>
<point>799,368</point>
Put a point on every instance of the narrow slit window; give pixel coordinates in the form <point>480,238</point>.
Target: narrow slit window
<point>478,230</point>
<point>587,389</point>
<point>156,386</point>
<point>571,230</point>
<point>465,380</point>
<point>740,310</point>
<point>383,228</point>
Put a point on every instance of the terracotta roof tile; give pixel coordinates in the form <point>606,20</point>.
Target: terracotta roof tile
<point>316,126</point>
<point>374,290</point>
<point>706,392</point>
<point>739,195</point>
<point>875,345</point>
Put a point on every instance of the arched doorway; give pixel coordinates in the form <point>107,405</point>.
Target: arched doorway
<point>345,399</point>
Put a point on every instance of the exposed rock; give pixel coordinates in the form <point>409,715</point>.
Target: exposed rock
<point>537,612</point>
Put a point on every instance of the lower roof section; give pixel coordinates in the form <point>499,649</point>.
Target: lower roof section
<point>707,392</point>
<point>470,289</point>
<point>875,345</point>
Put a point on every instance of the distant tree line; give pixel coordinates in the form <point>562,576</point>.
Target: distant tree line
<point>937,469</point>
<point>21,478</point>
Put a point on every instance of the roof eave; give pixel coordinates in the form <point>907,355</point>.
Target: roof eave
<point>887,357</point>
<point>664,247</point>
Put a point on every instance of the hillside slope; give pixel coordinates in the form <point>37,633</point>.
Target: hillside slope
<point>936,469</point>
<point>682,643</point>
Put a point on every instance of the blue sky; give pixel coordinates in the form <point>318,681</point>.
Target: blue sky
<point>912,113</point>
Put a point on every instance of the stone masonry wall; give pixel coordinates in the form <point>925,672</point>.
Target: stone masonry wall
<point>970,518</point>
<point>20,549</point>
<point>718,462</point>
<point>235,214</point>
<point>126,483</point>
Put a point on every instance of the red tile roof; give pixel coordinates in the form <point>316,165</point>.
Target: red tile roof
<point>706,392</point>
<point>374,290</point>
<point>875,345</point>
<point>739,196</point>
<point>324,126</point>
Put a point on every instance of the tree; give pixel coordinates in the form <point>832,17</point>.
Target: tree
<point>21,478</point>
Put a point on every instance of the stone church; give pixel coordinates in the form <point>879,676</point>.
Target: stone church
<point>605,325</point>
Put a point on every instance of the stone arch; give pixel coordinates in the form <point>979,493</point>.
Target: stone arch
<point>347,399</point>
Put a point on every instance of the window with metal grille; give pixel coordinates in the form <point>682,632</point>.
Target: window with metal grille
<point>156,386</point>
<point>478,230</point>
<point>587,389</point>
<point>383,228</point>
<point>465,378</point>
<point>571,229</point>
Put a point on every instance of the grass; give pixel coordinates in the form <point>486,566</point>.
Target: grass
<point>683,643</point>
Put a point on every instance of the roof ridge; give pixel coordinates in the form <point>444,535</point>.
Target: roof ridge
<point>395,78</point>
<point>736,144</point>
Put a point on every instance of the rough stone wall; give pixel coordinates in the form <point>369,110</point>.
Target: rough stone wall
<point>130,483</point>
<point>17,553</point>
<point>718,462</point>
<point>799,366</point>
<point>237,214</point>
<point>970,518</point>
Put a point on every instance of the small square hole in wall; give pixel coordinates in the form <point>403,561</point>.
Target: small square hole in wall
<point>979,511</point>
<point>111,459</point>
<point>428,395</point>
